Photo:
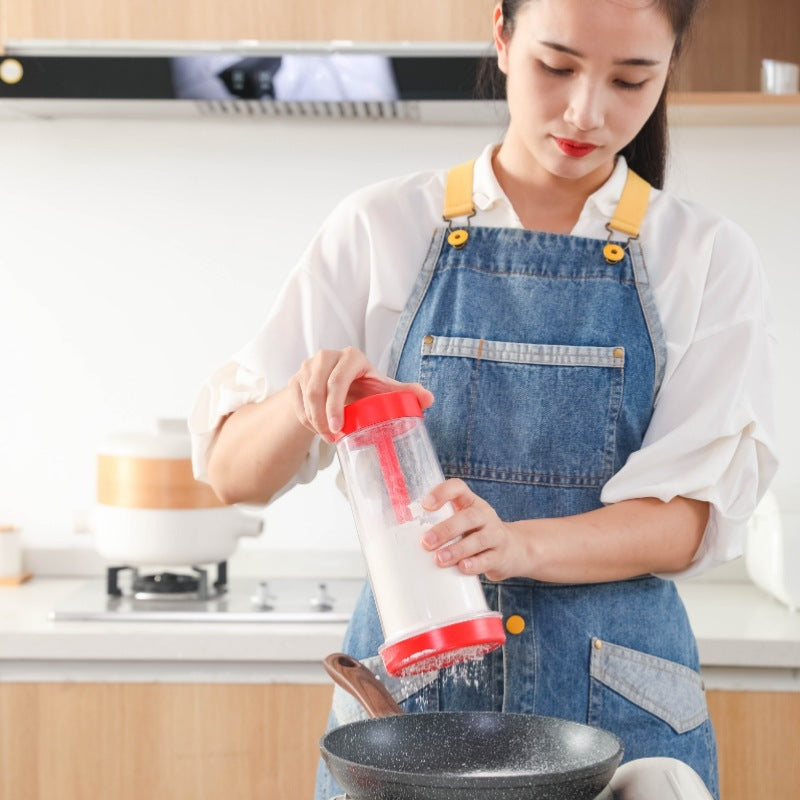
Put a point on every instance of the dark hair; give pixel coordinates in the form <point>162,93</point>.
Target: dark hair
<point>646,154</point>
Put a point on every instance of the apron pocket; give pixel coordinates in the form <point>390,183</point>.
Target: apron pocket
<point>672,692</point>
<point>407,691</point>
<point>523,413</point>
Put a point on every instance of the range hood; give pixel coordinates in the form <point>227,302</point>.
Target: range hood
<point>405,81</point>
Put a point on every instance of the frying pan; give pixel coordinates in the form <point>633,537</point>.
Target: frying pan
<point>469,755</point>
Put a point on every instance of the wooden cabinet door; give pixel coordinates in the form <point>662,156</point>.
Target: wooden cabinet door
<point>211,741</point>
<point>724,54</point>
<point>359,20</point>
<point>731,37</point>
<point>75,741</point>
<point>757,737</point>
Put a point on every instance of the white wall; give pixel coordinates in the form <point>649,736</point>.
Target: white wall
<point>136,256</point>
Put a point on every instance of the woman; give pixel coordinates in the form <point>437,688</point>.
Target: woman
<point>600,357</point>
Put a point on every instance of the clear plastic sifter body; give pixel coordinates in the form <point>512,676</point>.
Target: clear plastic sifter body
<point>431,616</point>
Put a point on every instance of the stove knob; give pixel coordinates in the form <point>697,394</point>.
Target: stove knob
<point>263,598</point>
<point>323,601</point>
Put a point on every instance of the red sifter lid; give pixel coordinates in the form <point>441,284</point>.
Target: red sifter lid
<point>442,647</point>
<point>379,408</point>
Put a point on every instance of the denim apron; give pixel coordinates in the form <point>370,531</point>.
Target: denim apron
<point>545,360</point>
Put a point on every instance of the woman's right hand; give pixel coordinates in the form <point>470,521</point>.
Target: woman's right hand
<point>331,379</point>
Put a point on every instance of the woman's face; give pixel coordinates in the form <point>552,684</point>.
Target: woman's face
<point>582,78</point>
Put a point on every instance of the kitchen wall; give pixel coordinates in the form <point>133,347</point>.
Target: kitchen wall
<point>136,256</point>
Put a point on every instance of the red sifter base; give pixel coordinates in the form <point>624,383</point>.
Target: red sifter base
<point>442,647</point>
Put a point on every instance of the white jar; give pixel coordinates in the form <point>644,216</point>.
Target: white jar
<point>10,552</point>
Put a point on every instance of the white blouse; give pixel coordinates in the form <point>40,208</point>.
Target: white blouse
<point>712,433</point>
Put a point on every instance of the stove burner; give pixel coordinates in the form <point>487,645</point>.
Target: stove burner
<point>169,585</point>
<point>165,583</point>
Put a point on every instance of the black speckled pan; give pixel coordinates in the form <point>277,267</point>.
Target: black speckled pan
<point>464,755</point>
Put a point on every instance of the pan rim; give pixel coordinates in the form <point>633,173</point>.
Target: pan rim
<point>457,780</point>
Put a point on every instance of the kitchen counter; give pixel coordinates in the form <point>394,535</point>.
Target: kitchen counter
<point>33,647</point>
<point>747,640</point>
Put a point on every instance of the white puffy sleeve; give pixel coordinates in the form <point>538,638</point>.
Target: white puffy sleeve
<point>712,434</point>
<point>321,305</point>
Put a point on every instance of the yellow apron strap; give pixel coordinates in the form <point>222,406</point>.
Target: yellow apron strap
<point>458,192</point>
<point>458,202</point>
<point>632,205</point>
<point>628,215</point>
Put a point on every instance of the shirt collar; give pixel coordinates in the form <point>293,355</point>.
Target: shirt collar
<point>487,192</point>
<point>606,198</point>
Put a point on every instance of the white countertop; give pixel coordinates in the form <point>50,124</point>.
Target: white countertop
<point>33,647</point>
<point>747,640</point>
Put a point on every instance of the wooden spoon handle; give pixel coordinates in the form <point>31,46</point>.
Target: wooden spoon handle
<point>358,681</point>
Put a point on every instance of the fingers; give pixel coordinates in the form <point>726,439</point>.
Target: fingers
<point>453,491</point>
<point>425,396</point>
<point>309,391</point>
<point>473,538</point>
<point>476,539</point>
<point>351,365</point>
<point>470,517</point>
<point>329,380</point>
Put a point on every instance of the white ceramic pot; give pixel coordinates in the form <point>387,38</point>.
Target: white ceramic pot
<point>150,509</point>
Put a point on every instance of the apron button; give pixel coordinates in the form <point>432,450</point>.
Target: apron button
<point>613,253</point>
<point>458,238</point>
<point>619,352</point>
<point>597,644</point>
<point>515,624</point>
<point>428,340</point>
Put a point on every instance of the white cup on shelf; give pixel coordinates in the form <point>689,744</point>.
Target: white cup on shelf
<point>779,77</point>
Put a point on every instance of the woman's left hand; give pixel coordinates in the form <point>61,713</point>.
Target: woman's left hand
<point>488,545</point>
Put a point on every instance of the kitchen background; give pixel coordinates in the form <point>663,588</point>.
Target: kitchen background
<point>137,256</point>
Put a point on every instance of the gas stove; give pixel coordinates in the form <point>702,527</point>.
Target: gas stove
<point>195,594</point>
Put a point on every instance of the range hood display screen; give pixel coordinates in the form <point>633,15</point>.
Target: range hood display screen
<point>332,77</point>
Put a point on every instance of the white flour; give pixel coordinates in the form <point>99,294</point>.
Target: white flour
<point>412,593</point>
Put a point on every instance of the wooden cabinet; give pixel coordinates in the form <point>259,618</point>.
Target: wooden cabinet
<point>77,741</point>
<point>757,735</point>
<point>724,54</point>
<point>83,741</point>
<point>731,37</point>
<point>360,20</point>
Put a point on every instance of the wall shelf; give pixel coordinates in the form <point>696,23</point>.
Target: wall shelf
<point>733,108</point>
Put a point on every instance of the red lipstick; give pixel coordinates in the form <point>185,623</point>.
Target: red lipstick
<point>575,149</point>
